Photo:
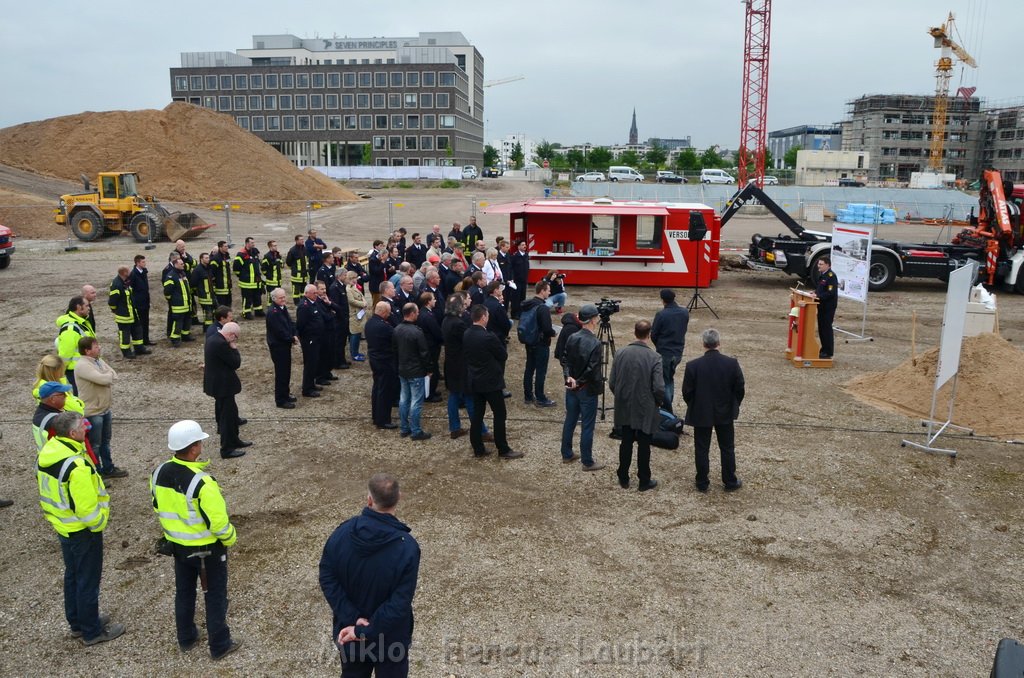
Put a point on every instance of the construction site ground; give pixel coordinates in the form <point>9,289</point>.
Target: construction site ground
<point>843,554</point>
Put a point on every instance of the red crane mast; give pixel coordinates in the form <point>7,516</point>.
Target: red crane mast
<point>754,107</point>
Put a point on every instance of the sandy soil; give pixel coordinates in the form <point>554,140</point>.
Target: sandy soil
<point>844,553</point>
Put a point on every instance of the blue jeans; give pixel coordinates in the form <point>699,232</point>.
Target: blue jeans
<point>557,300</point>
<point>83,564</point>
<point>410,405</point>
<point>536,368</point>
<point>455,401</point>
<point>99,438</point>
<point>669,364</point>
<point>353,344</point>
<point>577,402</point>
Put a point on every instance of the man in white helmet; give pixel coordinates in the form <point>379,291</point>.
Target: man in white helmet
<point>196,526</point>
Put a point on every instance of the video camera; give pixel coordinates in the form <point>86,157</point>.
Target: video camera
<point>606,307</point>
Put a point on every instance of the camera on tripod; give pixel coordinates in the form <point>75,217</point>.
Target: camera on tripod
<point>606,307</point>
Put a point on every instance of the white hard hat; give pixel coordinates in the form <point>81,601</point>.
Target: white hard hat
<point>184,433</point>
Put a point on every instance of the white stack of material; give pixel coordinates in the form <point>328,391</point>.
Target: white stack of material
<point>981,312</point>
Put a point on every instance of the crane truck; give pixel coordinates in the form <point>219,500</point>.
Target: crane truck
<point>995,240</point>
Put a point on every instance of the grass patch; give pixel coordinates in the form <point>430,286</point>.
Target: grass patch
<point>449,183</point>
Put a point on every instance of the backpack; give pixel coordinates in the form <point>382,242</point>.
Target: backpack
<point>528,329</point>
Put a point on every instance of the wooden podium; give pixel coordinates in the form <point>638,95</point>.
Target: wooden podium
<point>802,347</point>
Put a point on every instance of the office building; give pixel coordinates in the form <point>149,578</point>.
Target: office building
<point>346,101</point>
<point>807,137</point>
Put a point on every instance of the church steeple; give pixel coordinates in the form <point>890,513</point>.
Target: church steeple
<point>632,131</point>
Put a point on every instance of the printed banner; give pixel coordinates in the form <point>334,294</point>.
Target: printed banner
<point>851,257</point>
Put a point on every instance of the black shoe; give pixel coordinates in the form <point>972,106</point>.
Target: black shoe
<point>114,472</point>
<point>311,394</point>
<point>231,454</point>
<point>287,405</point>
<point>527,400</point>
<point>624,484</point>
<point>175,343</point>
<point>128,355</point>
<point>388,427</point>
<point>703,489</point>
<point>292,399</point>
<point>323,382</point>
<point>242,421</point>
<point>345,366</point>
<point>331,377</point>
<point>734,486</point>
<point>506,393</point>
<point>235,644</point>
<point>422,435</point>
<point>481,455</point>
<point>649,485</point>
<point>149,343</point>
<point>546,403</point>
<point>261,314</point>
<point>187,338</point>
<point>142,350</point>
<point>511,454</point>
<point>433,399</point>
<point>243,443</point>
<point>248,316</point>
<point>405,434</point>
<point>4,503</point>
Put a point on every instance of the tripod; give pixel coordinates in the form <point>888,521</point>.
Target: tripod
<point>607,339</point>
<point>697,300</point>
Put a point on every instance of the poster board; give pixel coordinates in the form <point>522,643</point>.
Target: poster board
<point>953,318</point>
<point>851,254</point>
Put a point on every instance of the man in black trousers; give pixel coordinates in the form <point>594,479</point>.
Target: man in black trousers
<point>826,291</point>
<point>310,326</point>
<point>139,280</point>
<point>384,364</point>
<point>485,359</point>
<point>281,337</point>
<point>713,390</point>
<point>220,381</point>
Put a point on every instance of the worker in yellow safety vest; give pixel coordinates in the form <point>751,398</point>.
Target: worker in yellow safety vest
<point>178,293</point>
<point>75,502</point>
<point>71,327</point>
<point>250,279</point>
<point>198,531</point>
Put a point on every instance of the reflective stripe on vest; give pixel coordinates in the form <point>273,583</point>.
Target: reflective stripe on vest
<point>40,433</point>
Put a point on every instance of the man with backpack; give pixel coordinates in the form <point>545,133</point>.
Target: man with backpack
<point>535,332</point>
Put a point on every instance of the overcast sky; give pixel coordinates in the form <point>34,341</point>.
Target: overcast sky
<point>586,63</point>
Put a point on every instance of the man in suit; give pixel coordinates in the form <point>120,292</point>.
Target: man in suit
<point>384,365</point>
<point>310,326</point>
<point>713,391</point>
<point>281,337</point>
<point>139,279</point>
<point>826,291</point>
<point>485,362</point>
<point>520,264</point>
<point>220,382</point>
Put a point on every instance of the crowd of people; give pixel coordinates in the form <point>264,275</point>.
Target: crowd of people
<point>436,309</point>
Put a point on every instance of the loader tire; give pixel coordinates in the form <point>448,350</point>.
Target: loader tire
<point>86,225</point>
<point>143,226</point>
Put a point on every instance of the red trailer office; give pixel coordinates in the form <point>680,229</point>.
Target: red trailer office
<point>608,242</point>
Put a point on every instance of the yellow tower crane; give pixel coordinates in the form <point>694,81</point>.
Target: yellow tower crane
<point>943,72</point>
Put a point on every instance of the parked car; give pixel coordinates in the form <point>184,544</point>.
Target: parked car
<point>769,180</point>
<point>847,181</point>
<point>493,172</point>
<point>591,176</point>
<point>6,246</point>
<point>669,177</point>
<point>624,173</point>
<point>716,176</point>
<point>469,172</point>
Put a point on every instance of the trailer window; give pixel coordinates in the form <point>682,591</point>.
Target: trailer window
<point>648,232</point>
<point>604,231</point>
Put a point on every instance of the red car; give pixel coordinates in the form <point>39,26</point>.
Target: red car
<point>6,246</point>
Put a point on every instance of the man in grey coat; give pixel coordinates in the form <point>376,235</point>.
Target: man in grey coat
<point>638,383</point>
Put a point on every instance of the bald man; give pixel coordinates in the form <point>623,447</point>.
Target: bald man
<point>220,382</point>
<point>384,365</point>
<point>89,294</point>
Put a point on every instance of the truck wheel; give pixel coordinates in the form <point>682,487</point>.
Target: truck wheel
<point>142,225</point>
<point>881,273</point>
<point>1018,286</point>
<point>86,225</point>
<point>5,262</point>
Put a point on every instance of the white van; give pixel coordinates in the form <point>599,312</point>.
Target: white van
<point>716,176</point>
<point>623,173</point>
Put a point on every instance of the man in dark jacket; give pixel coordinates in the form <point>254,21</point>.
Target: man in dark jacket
<point>669,336</point>
<point>570,326</point>
<point>520,264</point>
<point>329,342</point>
<point>314,253</point>
<point>380,349</point>
<point>498,322</point>
<point>826,291</point>
<point>378,269</point>
<point>139,280</point>
<point>220,264</point>
<point>280,338</point>
<point>310,326</point>
<point>581,367</point>
<point>471,234</point>
<point>713,389</point>
<point>271,267</point>
<point>368,575</point>
<point>416,253</point>
<point>427,322</point>
<point>339,304</point>
<point>298,265</point>
<point>201,282</point>
<point>220,381</point>
<point>357,268</point>
<point>638,384</point>
<point>485,361</point>
<point>453,328</point>
<point>537,354</point>
<point>413,366</point>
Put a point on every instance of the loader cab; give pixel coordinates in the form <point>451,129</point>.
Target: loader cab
<point>118,185</point>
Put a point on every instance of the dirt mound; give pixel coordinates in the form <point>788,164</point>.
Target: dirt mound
<point>183,154</point>
<point>987,398</point>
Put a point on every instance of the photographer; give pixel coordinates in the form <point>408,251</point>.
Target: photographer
<point>581,367</point>
<point>558,296</point>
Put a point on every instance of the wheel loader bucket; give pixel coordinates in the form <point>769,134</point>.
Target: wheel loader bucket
<point>184,225</point>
